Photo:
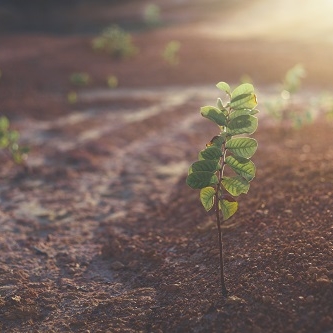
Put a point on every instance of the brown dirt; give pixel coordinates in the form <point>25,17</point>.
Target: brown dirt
<point>103,235</point>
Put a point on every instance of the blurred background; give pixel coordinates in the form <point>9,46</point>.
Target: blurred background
<point>51,51</point>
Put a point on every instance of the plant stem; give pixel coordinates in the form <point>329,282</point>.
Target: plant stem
<point>218,222</point>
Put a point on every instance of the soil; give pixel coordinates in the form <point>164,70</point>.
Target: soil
<point>100,232</point>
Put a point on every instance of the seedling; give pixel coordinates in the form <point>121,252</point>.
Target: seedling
<point>171,53</point>
<point>112,81</point>
<point>152,15</point>
<point>80,79</point>
<point>9,142</point>
<point>227,150</point>
<point>285,109</point>
<point>72,97</point>
<point>115,41</point>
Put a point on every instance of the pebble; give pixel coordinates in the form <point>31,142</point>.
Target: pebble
<point>267,299</point>
<point>309,299</point>
<point>117,265</point>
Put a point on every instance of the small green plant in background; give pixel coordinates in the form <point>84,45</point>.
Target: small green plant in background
<point>292,80</point>
<point>112,81</point>
<point>72,97</point>
<point>9,142</point>
<point>80,79</point>
<point>285,109</point>
<point>116,42</point>
<point>229,149</point>
<point>171,53</point>
<point>324,103</point>
<point>152,15</point>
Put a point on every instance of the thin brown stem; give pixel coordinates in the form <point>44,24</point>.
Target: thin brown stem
<point>218,222</point>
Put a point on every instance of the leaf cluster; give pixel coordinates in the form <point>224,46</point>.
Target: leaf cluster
<point>115,41</point>
<point>171,53</point>
<point>231,148</point>
<point>9,142</point>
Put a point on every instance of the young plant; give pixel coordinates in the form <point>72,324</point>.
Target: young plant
<point>171,53</point>
<point>152,15</point>
<point>115,41</point>
<point>285,109</point>
<point>9,142</point>
<point>112,81</point>
<point>230,149</point>
<point>80,79</point>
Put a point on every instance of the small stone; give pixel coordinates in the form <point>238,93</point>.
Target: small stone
<point>290,278</point>
<point>309,299</point>
<point>324,280</point>
<point>174,287</point>
<point>117,265</point>
<point>312,270</point>
<point>235,300</point>
<point>267,299</point>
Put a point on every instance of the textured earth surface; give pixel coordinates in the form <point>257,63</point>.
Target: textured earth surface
<point>100,233</point>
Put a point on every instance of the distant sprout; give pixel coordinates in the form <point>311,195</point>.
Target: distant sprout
<point>116,42</point>
<point>325,105</point>
<point>152,15</point>
<point>293,79</point>
<point>9,142</point>
<point>285,109</point>
<point>171,53</point>
<point>112,81</point>
<point>72,97</point>
<point>80,79</point>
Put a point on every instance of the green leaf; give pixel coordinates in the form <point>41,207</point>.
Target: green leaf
<point>220,104</point>
<point>207,197</point>
<point>244,88</point>
<point>4,142</point>
<point>24,150</point>
<point>217,140</point>
<point>4,123</point>
<point>210,153</point>
<point>254,111</point>
<point>242,166</point>
<point>236,185</point>
<point>214,114</point>
<point>245,101</point>
<point>243,97</point>
<point>242,147</point>
<point>13,136</point>
<point>242,112</point>
<point>224,87</point>
<point>244,124</point>
<point>228,206</point>
<point>205,165</point>
<point>201,179</point>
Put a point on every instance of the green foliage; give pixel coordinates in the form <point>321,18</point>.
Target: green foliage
<point>112,81</point>
<point>9,142</point>
<point>230,149</point>
<point>171,53</point>
<point>80,79</point>
<point>293,78</point>
<point>285,109</point>
<point>116,42</point>
<point>152,15</point>
<point>72,97</point>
